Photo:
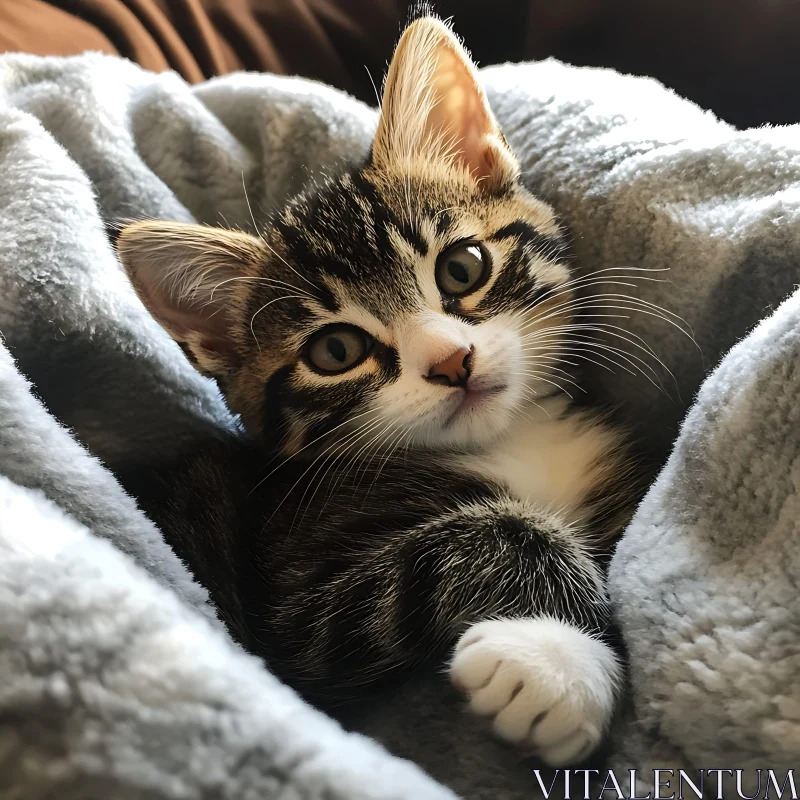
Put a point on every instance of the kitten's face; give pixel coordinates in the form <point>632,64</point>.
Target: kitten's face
<point>400,313</point>
<point>398,305</point>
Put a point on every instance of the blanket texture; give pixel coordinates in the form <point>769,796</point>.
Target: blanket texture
<point>117,680</point>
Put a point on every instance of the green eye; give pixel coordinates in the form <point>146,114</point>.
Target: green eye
<point>462,268</point>
<point>338,348</point>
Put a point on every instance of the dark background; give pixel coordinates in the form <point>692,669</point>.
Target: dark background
<point>736,57</point>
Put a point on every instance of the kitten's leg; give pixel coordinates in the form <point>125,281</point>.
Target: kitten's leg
<point>391,600</point>
<point>549,686</point>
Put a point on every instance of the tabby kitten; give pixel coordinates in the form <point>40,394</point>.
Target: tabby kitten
<point>398,336</point>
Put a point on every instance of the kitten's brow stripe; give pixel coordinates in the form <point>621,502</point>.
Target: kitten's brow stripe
<point>526,235</point>
<point>386,217</point>
<point>274,400</point>
<point>300,251</point>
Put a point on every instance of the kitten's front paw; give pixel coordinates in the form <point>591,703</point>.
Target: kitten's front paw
<point>549,686</point>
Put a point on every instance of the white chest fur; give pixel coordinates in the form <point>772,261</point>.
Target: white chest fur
<point>550,458</point>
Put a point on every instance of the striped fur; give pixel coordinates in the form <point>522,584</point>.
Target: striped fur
<point>370,521</point>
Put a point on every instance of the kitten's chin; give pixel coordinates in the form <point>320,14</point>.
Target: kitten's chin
<point>475,420</point>
<point>480,433</point>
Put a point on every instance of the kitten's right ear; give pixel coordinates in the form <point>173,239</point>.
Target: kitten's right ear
<point>189,278</point>
<point>435,112</point>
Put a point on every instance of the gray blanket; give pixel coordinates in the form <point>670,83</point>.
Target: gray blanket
<point>117,680</point>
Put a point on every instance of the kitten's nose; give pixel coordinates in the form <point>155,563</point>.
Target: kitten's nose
<point>454,370</point>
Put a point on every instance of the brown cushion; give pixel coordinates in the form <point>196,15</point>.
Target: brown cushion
<point>737,57</point>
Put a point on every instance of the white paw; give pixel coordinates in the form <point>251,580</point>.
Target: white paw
<point>549,686</point>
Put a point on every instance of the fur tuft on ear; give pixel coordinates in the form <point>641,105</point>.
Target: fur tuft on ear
<point>435,112</point>
<point>189,277</point>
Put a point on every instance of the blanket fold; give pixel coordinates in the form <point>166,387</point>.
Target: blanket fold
<point>117,679</point>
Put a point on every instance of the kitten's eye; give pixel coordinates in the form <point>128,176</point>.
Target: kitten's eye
<point>462,268</point>
<point>338,348</point>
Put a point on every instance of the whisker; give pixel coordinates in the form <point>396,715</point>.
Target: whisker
<point>332,459</point>
<point>313,442</point>
<point>641,365</point>
<point>267,244</point>
<point>619,333</point>
<point>392,448</point>
<point>261,279</point>
<point>250,209</point>
<point>374,87</point>
<point>580,352</point>
<point>374,441</point>
<point>565,377</point>
<point>587,302</point>
<point>593,276</point>
<point>540,376</point>
<point>534,403</point>
<point>337,443</point>
<point>562,360</point>
<point>274,300</point>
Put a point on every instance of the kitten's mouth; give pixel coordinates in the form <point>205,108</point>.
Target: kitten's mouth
<point>471,399</point>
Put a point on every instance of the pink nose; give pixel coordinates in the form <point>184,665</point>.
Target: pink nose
<point>454,370</point>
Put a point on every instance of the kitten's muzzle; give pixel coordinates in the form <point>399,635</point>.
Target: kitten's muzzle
<point>455,370</point>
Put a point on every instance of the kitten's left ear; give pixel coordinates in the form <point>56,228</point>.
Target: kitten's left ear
<point>189,278</point>
<point>435,111</point>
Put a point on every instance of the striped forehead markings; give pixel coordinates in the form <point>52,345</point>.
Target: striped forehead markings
<point>350,232</point>
<point>528,236</point>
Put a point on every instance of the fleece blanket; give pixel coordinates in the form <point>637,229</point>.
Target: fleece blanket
<point>116,678</point>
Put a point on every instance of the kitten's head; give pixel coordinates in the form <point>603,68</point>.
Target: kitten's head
<point>415,301</point>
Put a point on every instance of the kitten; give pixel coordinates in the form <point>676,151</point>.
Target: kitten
<point>400,337</point>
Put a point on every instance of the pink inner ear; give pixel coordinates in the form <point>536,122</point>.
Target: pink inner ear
<point>459,116</point>
<point>210,323</point>
<point>475,154</point>
<point>470,147</point>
